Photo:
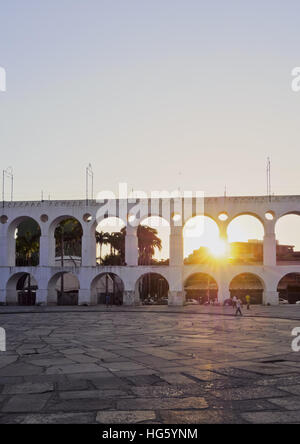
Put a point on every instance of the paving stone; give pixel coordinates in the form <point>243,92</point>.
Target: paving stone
<point>7,359</point>
<point>11,380</point>
<point>294,389</point>
<point>94,394</point>
<point>78,384</point>
<point>26,403</point>
<point>199,417</point>
<point>125,417</point>
<point>52,418</point>
<point>254,405</point>
<point>19,369</point>
<point>158,403</point>
<point>289,403</point>
<point>119,366</point>
<point>80,405</point>
<point>142,380</point>
<point>51,362</point>
<point>82,358</point>
<point>158,392</point>
<point>272,417</point>
<point>28,388</point>
<point>203,375</point>
<point>74,368</point>
<point>177,378</point>
<point>248,393</point>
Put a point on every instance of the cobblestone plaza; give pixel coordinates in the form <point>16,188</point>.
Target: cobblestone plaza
<point>149,365</point>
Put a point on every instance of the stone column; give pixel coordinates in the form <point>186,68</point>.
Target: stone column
<point>44,251</point>
<point>2,296</point>
<point>129,298</point>
<point>3,250</point>
<point>88,258</point>
<point>84,297</point>
<point>51,298</point>
<point>131,246</point>
<point>269,244</point>
<point>176,298</point>
<point>176,246</point>
<point>270,298</point>
<point>41,297</point>
<point>223,293</point>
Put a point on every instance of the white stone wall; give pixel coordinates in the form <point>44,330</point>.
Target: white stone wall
<point>49,213</point>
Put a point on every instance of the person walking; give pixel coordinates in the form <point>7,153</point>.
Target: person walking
<point>238,308</point>
<point>248,301</point>
<point>234,300</point>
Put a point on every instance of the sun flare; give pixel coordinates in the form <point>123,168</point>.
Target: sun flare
<point>218,248</point>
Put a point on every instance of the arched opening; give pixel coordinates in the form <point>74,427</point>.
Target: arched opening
<point>63,289</point>
<point>24,242</point>
<point>107,288</point>
<point>245,238</point>
<point>154,241</point>
<point>65,235</point>
<point>287,230</point>
<point>289,288</point>
<point>247,284</point>
<point>110,238</point>
<point>201,288</point>
<point>21,289</point>
<point>152,289</point>
<point>202,242</point>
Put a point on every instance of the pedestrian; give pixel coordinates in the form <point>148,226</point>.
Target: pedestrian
<point>234,301</point>
<point>248,301</point>
<point>107,299</point>
<point>238,308</point>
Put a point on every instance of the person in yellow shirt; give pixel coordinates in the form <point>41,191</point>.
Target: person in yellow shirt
<point>248,301</point>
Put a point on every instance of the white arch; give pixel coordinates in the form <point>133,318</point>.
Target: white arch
<point>11,241</point>
<point>95,280</point>
<point>11,286</point>
<point>52,297</point>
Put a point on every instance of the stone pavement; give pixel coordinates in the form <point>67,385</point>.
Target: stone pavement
<point>149,365</point>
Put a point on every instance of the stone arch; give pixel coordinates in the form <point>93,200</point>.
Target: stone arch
<point>52,242</point>
<point>287,227</point>
<point>110,239</point>
<point>246,244</point>
<point>152,286</point>
<point>163,230</point>
<point>21,289</point>
<point>248,283</point>
<point>202,240</point>
<point>109,285</point>
<point>11,238</point>
<point>201,287</point>
<point>71,289</point>
<point>288,287</point>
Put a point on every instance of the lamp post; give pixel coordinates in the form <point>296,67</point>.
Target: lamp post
<point>7,174</point>
<point>89,174</point>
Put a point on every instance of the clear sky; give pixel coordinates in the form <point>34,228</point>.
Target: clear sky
<point>156,93</point>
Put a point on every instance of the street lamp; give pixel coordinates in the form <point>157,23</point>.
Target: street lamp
<point>7,174</point>
<point>89,174</point>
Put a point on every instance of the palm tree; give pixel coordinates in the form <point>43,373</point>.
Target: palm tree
<point>27,246</point>
<point>147,242</point>
<point>102,238</point>
<point>68,236</point>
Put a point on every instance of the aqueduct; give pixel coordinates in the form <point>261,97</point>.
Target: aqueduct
<point>222,210</point>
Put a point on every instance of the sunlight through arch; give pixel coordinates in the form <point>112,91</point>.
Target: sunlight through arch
<point>202,240</point>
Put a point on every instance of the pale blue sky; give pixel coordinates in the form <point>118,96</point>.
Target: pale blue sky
<point>158,94</point>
